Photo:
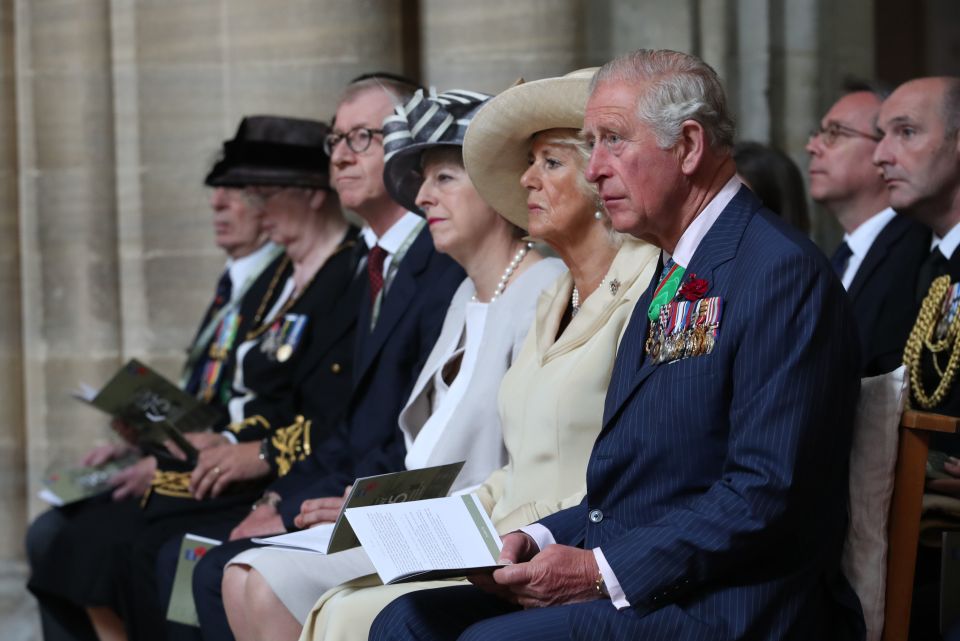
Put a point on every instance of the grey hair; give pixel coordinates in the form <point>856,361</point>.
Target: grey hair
<point>399,93</point>
<point>680,87</point>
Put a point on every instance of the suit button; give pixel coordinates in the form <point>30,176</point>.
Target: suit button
<point>335,368</point>
<point>595,516</point>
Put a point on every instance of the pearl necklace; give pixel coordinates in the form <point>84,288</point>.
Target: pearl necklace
<point>508,272</point>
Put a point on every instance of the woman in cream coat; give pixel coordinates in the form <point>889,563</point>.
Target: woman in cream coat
<point>523,154</point>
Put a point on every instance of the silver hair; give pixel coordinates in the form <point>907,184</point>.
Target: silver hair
<point>680,87</point>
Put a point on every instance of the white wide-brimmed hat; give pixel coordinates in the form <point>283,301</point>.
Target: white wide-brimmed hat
<point>497,143</point>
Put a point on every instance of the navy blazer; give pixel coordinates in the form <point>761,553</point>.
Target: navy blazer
<point>386,363</point>
<point>883,293</point>
<point>717,488</point>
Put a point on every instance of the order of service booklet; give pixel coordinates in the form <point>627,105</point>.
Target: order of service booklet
<point>395,487</point>
<point>427,540</point>
<point>182,608</point>
<point>146,400</point>
<point>64,485</point>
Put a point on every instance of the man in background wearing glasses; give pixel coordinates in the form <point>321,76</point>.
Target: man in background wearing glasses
<point>881,253</point>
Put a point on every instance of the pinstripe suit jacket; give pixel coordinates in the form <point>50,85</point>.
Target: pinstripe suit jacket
<point>718,485</point>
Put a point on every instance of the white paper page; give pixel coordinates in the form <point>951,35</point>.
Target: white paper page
<point>434,534</point>
<point>315,539</point>
<point>85,392</point>
<point>46,495</point>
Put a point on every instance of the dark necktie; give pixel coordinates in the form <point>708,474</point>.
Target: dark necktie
<point>220,298</point>
<point>935,265</point>
<point>375,258</point>
<point>840,258</point>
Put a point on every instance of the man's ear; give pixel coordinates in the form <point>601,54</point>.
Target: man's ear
<point>691,146</point>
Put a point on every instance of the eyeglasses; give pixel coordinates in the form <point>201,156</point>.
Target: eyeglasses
<point>358,140</point>
<point>833,131</point>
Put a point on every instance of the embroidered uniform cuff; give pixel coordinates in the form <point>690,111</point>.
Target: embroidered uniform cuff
<point>610,580</point>
<point>540,535</point>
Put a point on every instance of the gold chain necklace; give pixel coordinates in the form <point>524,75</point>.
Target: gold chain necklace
<point>921,336</point>
<point>259,329</point>
<point>253,333</point>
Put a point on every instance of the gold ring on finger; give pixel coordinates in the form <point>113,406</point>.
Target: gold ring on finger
<point>216,471</point>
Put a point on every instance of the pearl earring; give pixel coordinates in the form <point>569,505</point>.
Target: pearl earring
<point>598,214</point>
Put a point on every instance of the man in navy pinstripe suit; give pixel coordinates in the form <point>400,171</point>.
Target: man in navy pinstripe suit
<point>717,488</point>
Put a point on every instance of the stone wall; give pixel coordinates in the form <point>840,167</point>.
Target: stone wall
<point>111,111</point>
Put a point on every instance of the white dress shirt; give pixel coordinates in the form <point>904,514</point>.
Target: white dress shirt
<point>948,244</point>
<point>248,268</point>
<point>861,239</point>
<point>394,237</point>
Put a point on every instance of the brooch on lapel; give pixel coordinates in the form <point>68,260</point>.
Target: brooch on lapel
<point>686,326</point>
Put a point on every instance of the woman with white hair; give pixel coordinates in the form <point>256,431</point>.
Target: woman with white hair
<point>524,154</point>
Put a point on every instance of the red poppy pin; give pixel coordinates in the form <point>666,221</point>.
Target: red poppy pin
<point>694,288</point>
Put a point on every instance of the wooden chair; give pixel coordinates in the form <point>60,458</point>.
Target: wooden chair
<point>905,508</point>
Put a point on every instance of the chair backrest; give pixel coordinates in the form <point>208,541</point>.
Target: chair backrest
<point>873,459</point>
<point>905,509</point>
<point>888,463</point>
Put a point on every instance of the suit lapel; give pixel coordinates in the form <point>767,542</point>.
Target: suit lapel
<point>719,245</point>
<point>395,304</point>
<point>877,253</point>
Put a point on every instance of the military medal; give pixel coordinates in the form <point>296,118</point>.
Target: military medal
<point>218,353</point>
<point>290,335</point>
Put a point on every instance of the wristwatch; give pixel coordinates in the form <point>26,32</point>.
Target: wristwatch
<point>265,450</point>
<point>602,586</point>
<point>269,498</point>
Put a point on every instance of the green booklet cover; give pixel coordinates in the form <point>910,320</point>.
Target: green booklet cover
<point>64,485</point>
<point>395,487</point>
<point>182,608</point>
<point>146,400</point>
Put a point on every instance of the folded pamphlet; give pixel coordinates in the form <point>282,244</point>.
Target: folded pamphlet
<point>395,487</point>
<point>427,540</point>
<point>182,608</point>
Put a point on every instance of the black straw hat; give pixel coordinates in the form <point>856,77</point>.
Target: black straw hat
<point>425,121</point>
<point>276,151</point>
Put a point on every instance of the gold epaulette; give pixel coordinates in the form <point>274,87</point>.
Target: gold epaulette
<point>292,444</point>
<point>236,428</point>
<point>175,484</point>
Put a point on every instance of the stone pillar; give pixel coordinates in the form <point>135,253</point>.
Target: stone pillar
<point>71,319</point>
<point>619,26</point>
<point>12,433</point>
<point>486,46</point>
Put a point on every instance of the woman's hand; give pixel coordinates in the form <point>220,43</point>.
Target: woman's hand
<point>221,465</point>
<point>317,511</point>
